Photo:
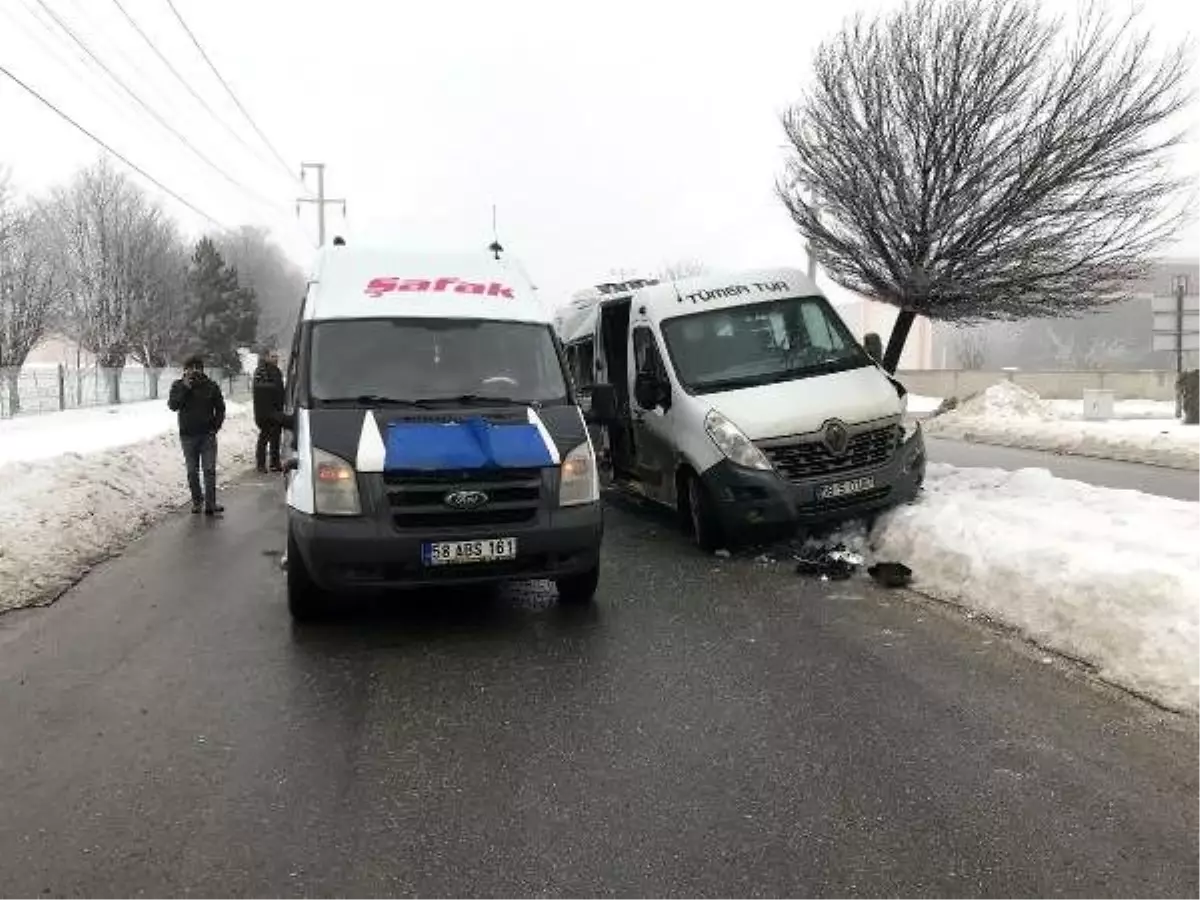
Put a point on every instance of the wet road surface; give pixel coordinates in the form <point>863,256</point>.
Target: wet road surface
<point>711,727</point>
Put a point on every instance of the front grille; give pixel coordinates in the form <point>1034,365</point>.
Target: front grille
<point>417,499</point>
<point>810,458</point>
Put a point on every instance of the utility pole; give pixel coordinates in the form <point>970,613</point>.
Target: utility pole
<point>320,200</point>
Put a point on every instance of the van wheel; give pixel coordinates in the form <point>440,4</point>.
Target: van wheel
<point>702,517</point>
<point>578,590</point>
<point>306,601</point>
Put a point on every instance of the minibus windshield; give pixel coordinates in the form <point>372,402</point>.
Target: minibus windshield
<point>429,361</point>
<point>760,343</point>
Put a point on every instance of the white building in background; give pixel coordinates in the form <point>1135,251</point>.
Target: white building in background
<point>865,316</point>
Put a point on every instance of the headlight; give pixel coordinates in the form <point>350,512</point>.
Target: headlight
<point>735,445</point>
<point>579,481</point>
<point>335,485</point>
<point>909,428</point>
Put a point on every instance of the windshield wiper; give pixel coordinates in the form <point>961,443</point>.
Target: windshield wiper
<point>479,400</point>
<point>376,400</point>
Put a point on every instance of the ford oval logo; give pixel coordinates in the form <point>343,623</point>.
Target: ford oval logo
<point>465,499</point>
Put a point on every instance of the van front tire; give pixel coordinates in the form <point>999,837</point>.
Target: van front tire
<point>306,600</point>
<point>578,590</point>
<point>702,516</point>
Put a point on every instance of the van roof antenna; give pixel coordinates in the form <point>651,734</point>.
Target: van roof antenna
<point>494,246</point>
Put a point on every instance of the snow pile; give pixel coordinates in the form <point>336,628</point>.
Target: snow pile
<point>59,515</point>
<point>1110,577</point>
<point>1004,400</point>
<point>1012,416</point>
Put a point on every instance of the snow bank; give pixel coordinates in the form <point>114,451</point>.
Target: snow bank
<point>1010,415</point>
<point>61,511</point>
<point>1111,577</point>
<point>27,438</point>
<point>1004,400</point>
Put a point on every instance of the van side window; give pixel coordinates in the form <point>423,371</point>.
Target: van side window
<point>646,357</point>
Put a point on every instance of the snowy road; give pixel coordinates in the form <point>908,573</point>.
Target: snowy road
<point>1178,484</point>
<point>713,727</point>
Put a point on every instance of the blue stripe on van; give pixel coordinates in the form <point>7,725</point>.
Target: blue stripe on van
<point>473,444</point>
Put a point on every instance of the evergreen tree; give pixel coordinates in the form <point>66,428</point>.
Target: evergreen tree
<point>224,315</point>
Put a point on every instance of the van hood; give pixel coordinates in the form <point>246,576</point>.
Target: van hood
<point>357,432</point>
<point>804,405</point>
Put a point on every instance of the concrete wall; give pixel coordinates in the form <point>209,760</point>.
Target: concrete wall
<point>1143,385</point>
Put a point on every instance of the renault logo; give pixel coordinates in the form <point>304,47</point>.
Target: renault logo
<point>465,499</point>
<point>836,438</point>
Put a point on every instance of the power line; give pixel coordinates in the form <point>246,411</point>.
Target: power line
<point>233,96</point>
<point>162,187</point>
<point>150,110</point>
<point>183,81</point>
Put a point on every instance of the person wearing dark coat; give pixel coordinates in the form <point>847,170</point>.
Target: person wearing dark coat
<point>268,410</point>
<point>201,408</point>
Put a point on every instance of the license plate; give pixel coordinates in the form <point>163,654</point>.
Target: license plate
<point>451,553</point>
<point>845,488</point>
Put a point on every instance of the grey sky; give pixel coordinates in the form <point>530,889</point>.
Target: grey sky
<point>617,134</point>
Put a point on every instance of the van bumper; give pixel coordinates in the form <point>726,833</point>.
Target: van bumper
<point>354,554</point>
<point>751,499</point>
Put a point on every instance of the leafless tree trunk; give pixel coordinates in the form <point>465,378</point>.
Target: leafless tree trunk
<point>977,161</point>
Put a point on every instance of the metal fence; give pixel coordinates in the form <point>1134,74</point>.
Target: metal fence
<point>46,389</point>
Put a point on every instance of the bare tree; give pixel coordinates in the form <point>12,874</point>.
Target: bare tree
<point>978,161</point>
<point>100,221</point>
<point>277,282</point>
<point>28,286</point>
<point>681,268</point>
<point>970,349</point>
<point>157,288</point>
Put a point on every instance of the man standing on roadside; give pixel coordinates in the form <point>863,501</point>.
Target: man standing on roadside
<point>201,408</point>
<point>268,410</point>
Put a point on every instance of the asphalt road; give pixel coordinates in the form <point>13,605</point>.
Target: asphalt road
<point>1176,483</point>
<point>711,727</point>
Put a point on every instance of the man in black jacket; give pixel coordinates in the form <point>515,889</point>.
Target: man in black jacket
<point>197,399</point>
<point>268,410</point>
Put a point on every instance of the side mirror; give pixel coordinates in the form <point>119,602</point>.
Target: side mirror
<point>873,344</point>
<point>604,404</point>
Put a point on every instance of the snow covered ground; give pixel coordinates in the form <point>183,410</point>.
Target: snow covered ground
<point>1110,577</point>
<point>77,486</point>
<point>1142,430</point>
<point>90,430</point>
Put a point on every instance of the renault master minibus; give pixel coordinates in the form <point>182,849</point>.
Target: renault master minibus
<point>744,402</point>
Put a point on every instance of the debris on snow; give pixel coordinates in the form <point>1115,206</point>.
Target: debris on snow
<point>891,574</point>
